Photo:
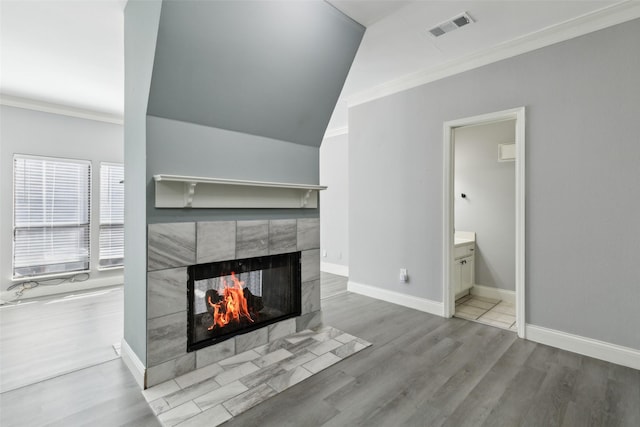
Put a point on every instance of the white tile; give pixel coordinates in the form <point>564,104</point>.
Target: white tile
<point>346,350</point>
<point>321,362</point>
<point>491,300</point>
<point>251,340</point>
<point>249,399</point>
<point>282,329</point>
<point>159,406</point>
<point>236,373</point>
<point>326,333</point>
<point>238,359</point>
<point>170,369</point>
<point>308,233</point>
<point>179,414</point>
<point>463,299</point>
<point>324,347</point>
<point>273,357</point>
<point>196,390</point>
<point>299,359</point>
<point>160,390</point>
<point>284,381</point>
<point>469,310</point>
<point>474,302</point>
<point>216,241</point>
<point>301,336</point>
<point>462,315</point>
<point>500,317</point>
<point>171,245</point>
<point>215,353</point>
<point>220,395</point>
<point>310,268</point>
<point>345,338</point>
<point>506,308</point>
<point>209,418</point>
<point>198,375</point>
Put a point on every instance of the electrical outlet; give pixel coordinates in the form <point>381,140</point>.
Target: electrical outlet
<point>404,276</point>
<point>324,253</point>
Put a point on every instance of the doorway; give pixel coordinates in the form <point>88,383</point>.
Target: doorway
<point>452,271</point>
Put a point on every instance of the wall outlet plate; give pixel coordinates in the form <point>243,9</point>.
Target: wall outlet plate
<point>404,276</point>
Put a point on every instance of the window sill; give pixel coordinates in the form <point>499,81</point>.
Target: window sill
<point>49,276</point>
<point>117,267</point>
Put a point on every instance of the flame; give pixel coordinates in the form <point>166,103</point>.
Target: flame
<point>233,305</point>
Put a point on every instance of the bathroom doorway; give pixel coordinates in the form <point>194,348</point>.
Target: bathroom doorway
<point>484,219</point>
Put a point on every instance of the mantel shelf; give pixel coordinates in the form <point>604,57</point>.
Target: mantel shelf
<point>176,191</point>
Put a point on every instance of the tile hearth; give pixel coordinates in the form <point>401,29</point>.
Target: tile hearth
<point>215,393</point>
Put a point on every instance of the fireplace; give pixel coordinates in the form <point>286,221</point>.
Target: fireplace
<point>183,250</point>
<point>228,298</point>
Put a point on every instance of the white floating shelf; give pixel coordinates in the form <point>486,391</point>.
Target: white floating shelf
<point>176,191</point>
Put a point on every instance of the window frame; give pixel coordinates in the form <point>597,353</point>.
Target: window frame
<point>99,266</point>
<point>15,228</point>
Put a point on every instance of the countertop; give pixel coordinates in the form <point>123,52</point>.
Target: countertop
<point>462,238</point>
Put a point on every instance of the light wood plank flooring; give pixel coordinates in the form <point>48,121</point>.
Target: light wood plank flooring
<point>422,370</point>
<point>44,338</point>
<point>332,285</point>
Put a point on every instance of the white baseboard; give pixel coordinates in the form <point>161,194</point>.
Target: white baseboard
<point>64,288</point>
<point>608,352</point>
<point>340,270</point>
<point>134,364</point>
<point>495,293</point>
<point>410,301</point>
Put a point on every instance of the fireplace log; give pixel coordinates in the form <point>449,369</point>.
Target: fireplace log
<point>254,302</point>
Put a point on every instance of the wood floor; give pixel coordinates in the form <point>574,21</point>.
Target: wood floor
<point>44,338</point>
<point>422,370</point>
<point>332,285</point>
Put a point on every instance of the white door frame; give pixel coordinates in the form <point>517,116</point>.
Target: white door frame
<point>448,215</point>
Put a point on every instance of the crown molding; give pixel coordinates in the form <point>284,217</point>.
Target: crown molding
<point>47,107</point>
<point>330,133</point>
<point>597,20</point>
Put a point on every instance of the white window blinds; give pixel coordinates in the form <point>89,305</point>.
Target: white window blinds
<point>111,215</point>
<point>51,216</point>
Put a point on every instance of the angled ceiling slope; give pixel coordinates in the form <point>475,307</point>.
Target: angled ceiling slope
<point>273,69</point>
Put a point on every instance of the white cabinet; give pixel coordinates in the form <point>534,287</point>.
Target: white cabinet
<point>463,268</point>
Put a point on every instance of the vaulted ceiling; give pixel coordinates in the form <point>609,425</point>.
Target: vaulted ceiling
<point>273,69</point>
<point>71,52</point>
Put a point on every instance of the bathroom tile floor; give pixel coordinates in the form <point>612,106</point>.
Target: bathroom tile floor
<point>492,312</point>
<point>211,395</point>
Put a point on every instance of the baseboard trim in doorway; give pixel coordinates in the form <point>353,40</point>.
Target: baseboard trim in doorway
<point>340,270</point>
<point>494,293</point>
<point>417,303</point>
<point>608,352</point>
<point>134,364</point>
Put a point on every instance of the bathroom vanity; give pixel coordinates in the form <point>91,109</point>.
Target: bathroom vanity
<point>463,262</point>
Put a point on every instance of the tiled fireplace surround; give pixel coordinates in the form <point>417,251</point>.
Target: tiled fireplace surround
<point>172,247</point>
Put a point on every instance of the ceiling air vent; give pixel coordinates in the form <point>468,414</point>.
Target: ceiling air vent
<point>451,24</point>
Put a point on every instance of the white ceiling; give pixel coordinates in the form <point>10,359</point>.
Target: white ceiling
<point>64,52</point>
<point>72,52</point>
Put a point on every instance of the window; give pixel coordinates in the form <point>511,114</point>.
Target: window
<point>111,215</point>
<point>51,216</point>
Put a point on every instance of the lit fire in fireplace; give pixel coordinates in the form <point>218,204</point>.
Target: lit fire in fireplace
<point>231,306</point>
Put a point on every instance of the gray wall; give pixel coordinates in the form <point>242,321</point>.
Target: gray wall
<point>490,206</point>
<point>140,28</point>
<point>334,215</point>
<point>181,148</point>
<point>272,68</point>
<point>53,135</point>
<point>583,151</point>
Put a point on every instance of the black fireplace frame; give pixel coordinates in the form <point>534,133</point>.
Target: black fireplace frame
<point>223,268</point>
